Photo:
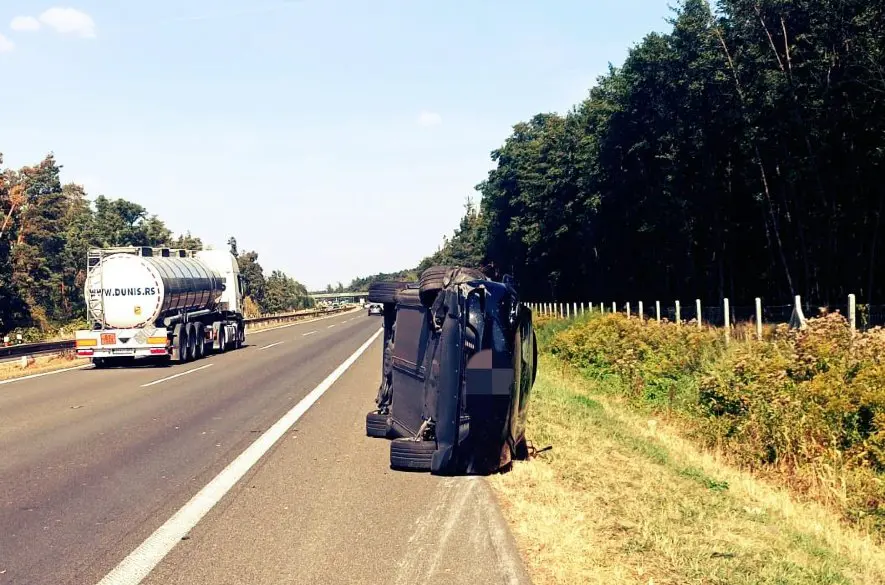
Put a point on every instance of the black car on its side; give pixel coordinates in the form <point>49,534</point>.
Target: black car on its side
<point>460,359</point>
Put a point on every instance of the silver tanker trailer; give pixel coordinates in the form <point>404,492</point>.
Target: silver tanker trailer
<point>177,305</point>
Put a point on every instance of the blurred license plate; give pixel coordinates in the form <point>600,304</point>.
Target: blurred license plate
<point>108,338</point>
<point>123,351</point>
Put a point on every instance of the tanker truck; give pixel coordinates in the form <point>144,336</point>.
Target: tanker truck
<point>162,303</point>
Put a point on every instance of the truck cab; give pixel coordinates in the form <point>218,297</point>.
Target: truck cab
<point>224,263</point>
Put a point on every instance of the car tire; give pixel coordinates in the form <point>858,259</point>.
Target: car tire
<point>436,277</point>
<point>411,455</point>
<point>534,357</point>
<point>377,425</point>
<point>385,292</point>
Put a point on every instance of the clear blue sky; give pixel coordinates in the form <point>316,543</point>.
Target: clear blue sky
<point>336,138</point>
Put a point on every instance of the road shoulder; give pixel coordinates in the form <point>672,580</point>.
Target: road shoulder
<point>323,506</point>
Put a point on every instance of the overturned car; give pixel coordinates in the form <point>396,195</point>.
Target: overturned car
<point>459,362</point>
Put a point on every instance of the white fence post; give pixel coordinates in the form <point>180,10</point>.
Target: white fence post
<point>561,311</point>
<point>641,312</point>
<point>658,310</point>
<point>727,319</point>
<point>758,318</point>
<point>797,319</point>
<point>678,314</point>
<point>614,307</point>
<point>852,312</point>
<point>568,311</point>
<point>697,304</point>
<point>628,309</point>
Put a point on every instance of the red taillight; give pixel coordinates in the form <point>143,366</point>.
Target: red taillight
<point>84,352</point>
<point>158,351</point>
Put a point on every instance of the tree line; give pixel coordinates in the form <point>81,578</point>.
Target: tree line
<point>46,229</point>
<point>740,154</point>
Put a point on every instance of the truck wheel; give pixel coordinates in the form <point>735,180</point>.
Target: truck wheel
<point>222,339</point>
<point>199,341</point>
<point>99,363</point>
<point>409,454</point>
<point>179,343</point>
<point>191,336</point>
<point>241,337</point>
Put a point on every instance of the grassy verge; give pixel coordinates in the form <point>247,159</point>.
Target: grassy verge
<point>41,365</point>
<point>805,408</point>
<point>625,499</point>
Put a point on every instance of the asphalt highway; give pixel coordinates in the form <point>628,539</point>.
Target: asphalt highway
<point>97,467</point>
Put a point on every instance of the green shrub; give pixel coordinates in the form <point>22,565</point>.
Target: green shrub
<point>658,362</point>
<point>809,404</point>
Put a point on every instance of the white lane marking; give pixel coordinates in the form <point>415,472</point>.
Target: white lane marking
<point>332,325</point>
<point>140,562</point>
<point>306,321</point>
<point>271,345</point>
<point>32,376</point>
<point>172,377</point>
<point>308,333</point>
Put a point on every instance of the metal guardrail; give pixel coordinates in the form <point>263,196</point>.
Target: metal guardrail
<point>44,347</point>
<point>36,348</point>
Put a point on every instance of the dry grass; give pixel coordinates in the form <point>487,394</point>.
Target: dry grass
<point>621,499</point>
<point>41,364</point>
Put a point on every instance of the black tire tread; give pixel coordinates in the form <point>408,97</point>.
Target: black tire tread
<point>385,292</point>
<point>411,454</point>
<point>376,425</point>
<point>433,280</point>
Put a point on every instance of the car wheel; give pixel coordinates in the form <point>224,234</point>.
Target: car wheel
<point>409,454</point>
<point>436,277</point>
<point>377,425</point>
<point>385,292</point>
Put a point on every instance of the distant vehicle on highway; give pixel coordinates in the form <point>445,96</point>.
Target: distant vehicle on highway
<point>376,309</point>
<point>176,305</point>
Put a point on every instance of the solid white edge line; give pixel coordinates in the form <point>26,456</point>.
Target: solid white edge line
<point>271,345</point>
<point>139,563</point>
<point>172,377</point>
<point>308,333</point>
<point>41,374</point>
<point>332,325</point>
